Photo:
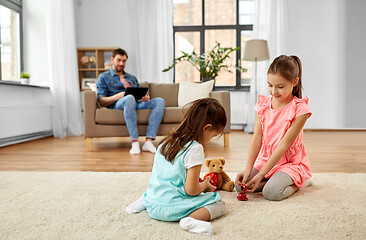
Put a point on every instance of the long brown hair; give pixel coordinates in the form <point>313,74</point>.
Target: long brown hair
<point>200,113</point>
<point>290,68</point>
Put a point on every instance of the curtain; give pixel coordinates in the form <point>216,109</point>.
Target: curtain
<point>62,59</point>
<point>271,24</point>
<point>152,37</point>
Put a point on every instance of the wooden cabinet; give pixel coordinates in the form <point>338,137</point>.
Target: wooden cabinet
<point>91,63</point>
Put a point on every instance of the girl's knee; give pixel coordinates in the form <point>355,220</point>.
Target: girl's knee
<point>277,192</point>
<point>278,187</point>
<point>217,209</point>
<point>272,192</point>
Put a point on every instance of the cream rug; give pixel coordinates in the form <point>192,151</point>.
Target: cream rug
<point>88,205</point>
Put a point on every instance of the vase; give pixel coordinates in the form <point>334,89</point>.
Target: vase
<point>24,80</point>
<point>206,79</point>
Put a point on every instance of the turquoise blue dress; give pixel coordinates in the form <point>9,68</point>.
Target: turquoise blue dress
<point>165,198</point>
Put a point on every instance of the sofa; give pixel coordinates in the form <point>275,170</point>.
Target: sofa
<point>104,122</point>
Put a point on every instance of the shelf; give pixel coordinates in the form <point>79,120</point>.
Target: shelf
<point>87,69</point>
<point>101,54</point>
<point>92,49</point>
<point>93,69</point>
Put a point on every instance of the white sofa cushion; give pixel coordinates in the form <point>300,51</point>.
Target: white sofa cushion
<point>190,91</point>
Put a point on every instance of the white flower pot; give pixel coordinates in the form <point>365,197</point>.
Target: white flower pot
<point>24,80</point>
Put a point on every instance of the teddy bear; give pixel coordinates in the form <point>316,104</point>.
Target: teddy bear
<point>217,175</point>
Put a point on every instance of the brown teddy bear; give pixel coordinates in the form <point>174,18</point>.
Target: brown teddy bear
<point>217,175</point>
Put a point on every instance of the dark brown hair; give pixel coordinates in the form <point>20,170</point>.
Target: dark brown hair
<point>120,52</point>
<point>200,113</point>
<point>288,67</point>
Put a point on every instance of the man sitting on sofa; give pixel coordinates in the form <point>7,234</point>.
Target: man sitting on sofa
<point>111,93</point>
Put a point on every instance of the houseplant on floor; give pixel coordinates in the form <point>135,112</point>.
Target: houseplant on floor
<point>209,65</point>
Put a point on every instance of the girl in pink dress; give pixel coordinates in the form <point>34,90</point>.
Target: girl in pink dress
<point>277,163</point>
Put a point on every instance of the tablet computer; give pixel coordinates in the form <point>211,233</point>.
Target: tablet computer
<point>137,92</point>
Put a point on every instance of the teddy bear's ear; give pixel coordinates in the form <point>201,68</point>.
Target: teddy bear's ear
<point>222,160</point>
<point>207,162</point>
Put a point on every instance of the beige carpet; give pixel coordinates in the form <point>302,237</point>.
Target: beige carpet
<point>86,205</point>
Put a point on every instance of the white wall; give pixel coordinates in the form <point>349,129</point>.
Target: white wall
<point>239,108</point>
<point>35,54</point>
<point>316,37</point>
<point>24,110</point>
<point>104,24</point>
<point>329,38</point>
<point>354,62</point>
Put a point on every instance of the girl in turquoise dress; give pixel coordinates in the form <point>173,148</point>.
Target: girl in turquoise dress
<point>174,192</point>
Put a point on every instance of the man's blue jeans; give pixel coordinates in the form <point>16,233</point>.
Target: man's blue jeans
<point>129,106</point>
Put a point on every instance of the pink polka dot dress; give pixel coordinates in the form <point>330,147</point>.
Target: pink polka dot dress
<point>275,122</point>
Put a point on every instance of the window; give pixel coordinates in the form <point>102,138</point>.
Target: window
<point>10,39</point>
<point>199,24</point>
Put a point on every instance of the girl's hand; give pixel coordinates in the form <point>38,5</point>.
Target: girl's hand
<point>209,187</point>
<point>192,186</point>
<point>253,184</point>
<point>241,178</point>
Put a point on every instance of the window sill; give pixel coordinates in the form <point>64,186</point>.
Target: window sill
<point>232,88</point>
<point>13,83</point>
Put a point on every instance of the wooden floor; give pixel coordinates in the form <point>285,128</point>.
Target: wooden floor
<point>329,151</point>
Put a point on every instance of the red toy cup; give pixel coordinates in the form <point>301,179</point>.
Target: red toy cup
<point>242,197</point>
<point>243,188</point>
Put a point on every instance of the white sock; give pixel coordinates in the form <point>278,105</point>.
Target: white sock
<point>137,206</point>
<point>135,149</point>
<point>196,226</point>
<point>149,147</point>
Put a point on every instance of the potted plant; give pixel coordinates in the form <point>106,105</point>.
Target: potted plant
<point>24,78</point>
<point>209,65</point>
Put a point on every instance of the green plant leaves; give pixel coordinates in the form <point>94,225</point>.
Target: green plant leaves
<point>209,65</point>
<point>24,75</point>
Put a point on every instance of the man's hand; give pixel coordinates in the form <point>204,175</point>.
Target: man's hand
<point>106,101</point>
<point>119,95</point>
<point>145,98</point>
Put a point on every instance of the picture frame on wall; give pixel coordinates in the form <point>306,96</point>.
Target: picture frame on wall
<point>85,81</point>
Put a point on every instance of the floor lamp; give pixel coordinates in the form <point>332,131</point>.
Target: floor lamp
<point>256,50</point>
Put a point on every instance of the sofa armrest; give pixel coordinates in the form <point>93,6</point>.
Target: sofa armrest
<point>89,106</point>
<point>224,98</point>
